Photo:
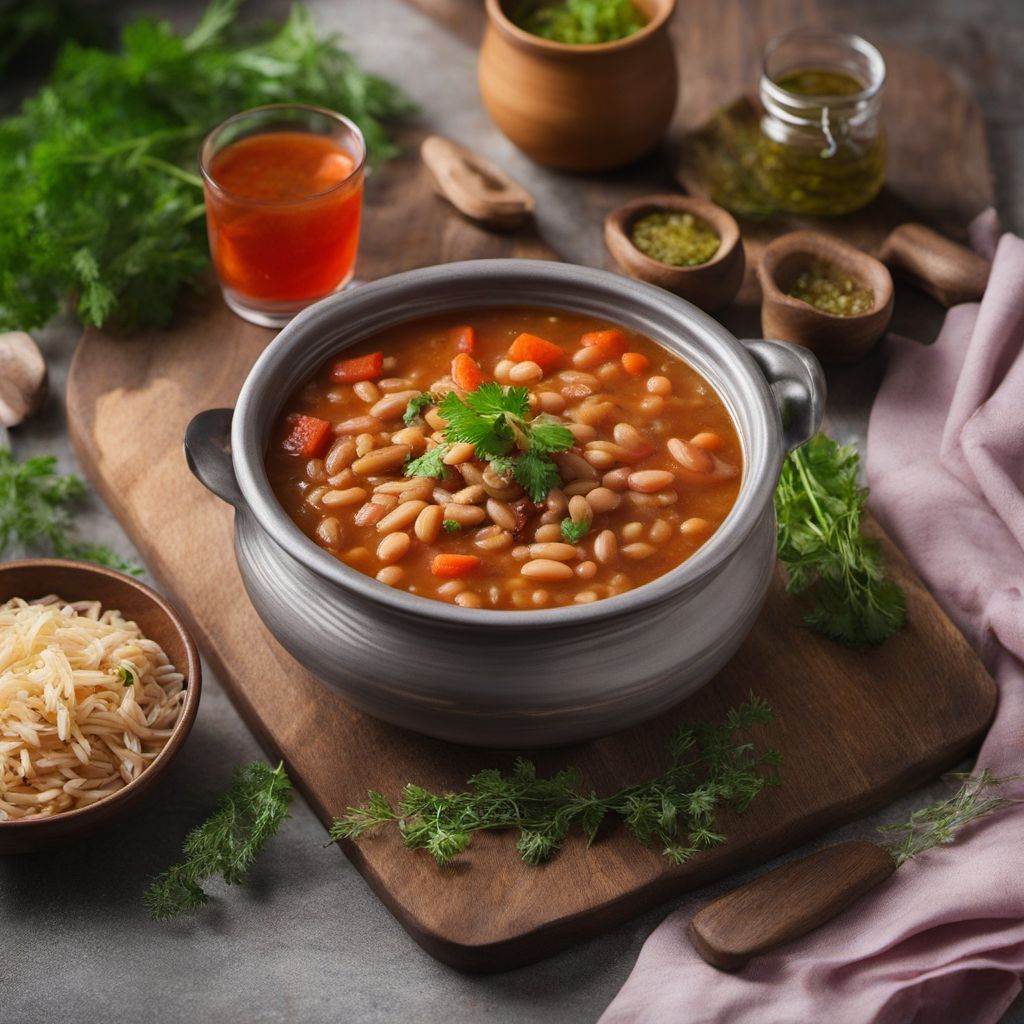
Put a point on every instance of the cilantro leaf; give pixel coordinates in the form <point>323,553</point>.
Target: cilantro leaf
<point>416,406</point>
<point>491,399</point>
<point>574,532</point>
<point>536,473</point>
<point>451,526</point>
<point>546,436</point>
<point>430,463</point>
<point>490,436</point>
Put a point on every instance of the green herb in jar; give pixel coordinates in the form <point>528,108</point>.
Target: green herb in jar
<point>824,286</point>
<point>583,22</point>
<point>678,239</point>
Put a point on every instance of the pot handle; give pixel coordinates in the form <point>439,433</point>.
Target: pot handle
<point>208,453</point>
<point>798,384</point>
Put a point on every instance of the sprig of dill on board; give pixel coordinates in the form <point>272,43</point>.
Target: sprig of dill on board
<point>818,505</point>
<point>227,843</point>
<point>709,769</point>
<point>99,195</point>
<point>940,823</point>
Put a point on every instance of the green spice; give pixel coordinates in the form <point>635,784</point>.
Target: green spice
<point>98,192</point>
<point>709,769</point>
<point>451,526</point>
<point>940,823</point>
<point>495,421</point>
<point>824,286</point>
<point>36,506</point>
<point>414,410</point>
<point>818,504</point>
<point>583,22</point>
<point>678,239</point>
<point>227,843</point>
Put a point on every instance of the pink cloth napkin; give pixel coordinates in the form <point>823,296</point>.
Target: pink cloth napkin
<point>942,940</point>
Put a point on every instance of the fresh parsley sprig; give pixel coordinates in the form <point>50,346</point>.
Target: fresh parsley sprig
<point>818,504</point>
<point>227,843</point>
<point>36,506</point>
<point>496,421</point>
<point>572,532</point>
<point>709,769</point>
<point>98,192</point>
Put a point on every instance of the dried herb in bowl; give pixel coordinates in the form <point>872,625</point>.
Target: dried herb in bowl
<point>824,286</point>
<point>676,238</point>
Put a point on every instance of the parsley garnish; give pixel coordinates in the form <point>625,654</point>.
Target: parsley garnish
<point>416,406</point>
<point>451,526</point>
<point>430,463</point>
<point>676,812</point>
<point>574,532</point>
<point>495,420</point>
<point>126,670</point>
<point>227,843</point>
<point>818,504</point>
<point>36,506</point>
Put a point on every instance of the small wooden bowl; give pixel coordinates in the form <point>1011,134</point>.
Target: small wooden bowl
<point>710,285</point>
<point>832,338</point>
<point>77,581</point>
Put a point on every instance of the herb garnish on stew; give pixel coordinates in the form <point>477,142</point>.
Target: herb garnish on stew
<point>496,421</point>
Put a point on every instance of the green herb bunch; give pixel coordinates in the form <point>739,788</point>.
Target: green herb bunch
<point>227,843</point>
<point>98,193</point>
<point>940,823</point>
<point>36,511</point>
<point>496,421</point>
<point>709,769</point>
<point>584,21</point>
<point>819,504</point>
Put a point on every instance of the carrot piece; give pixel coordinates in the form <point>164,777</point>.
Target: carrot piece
<point>466,373</point>
<point>451,567</point>
<point>612,343</point>
<point>308,437</point>
<point>528,347</point>
<point>350,371</point>
<point>634,363</point>
<point>464,338</point>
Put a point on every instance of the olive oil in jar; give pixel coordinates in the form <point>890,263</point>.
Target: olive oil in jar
<point>821,150</point>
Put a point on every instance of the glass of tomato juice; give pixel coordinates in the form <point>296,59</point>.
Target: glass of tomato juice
<point>284,195</point>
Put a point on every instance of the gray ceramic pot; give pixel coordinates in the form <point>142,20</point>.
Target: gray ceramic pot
<point>504,678</point>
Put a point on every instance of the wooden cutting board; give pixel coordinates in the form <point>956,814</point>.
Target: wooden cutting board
<point>856,729</point>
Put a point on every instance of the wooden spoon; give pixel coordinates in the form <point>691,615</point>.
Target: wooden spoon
<point>832,338</point>
<point>477,188</point>
<point>949,272</point>
<point>786,903</point>
<point>709,285</point>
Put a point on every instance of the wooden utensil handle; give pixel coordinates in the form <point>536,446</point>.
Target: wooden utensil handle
<point>948,271</point>
<point>787,902</point>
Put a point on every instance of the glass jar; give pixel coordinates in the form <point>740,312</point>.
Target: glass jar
<point>821,149</point>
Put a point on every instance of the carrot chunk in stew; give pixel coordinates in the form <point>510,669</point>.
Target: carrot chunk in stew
<point>464,338</point>
<point>451,567</point>
<point>530,348</point>
<point>466,373</point>
<point>611,344</point>
<point>308,438</point>
<point>635,363</point>
<point>351,371</point>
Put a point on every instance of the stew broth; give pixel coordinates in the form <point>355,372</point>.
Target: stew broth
<point>654,468</point>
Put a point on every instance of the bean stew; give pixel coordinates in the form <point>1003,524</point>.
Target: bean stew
<point>508,459</point>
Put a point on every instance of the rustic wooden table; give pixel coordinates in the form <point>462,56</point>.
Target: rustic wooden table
<point>308,940</point>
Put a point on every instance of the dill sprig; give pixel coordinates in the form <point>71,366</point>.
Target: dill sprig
<point>818,504</point>
<point>36,506</point>
<point>227,843</point>
<point>940,823</point>
<point>709,769</point>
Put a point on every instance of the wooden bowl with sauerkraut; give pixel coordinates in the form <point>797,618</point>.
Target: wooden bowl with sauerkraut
<point>99,686</point>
